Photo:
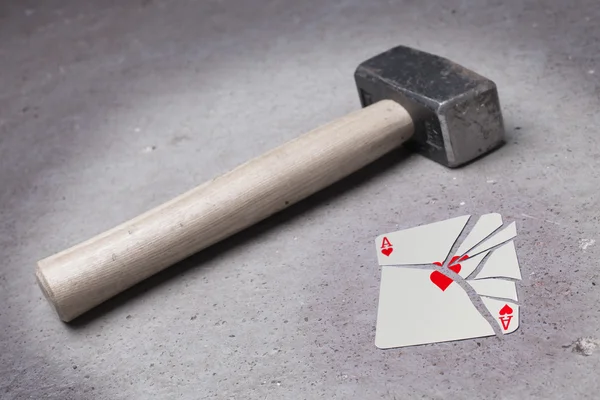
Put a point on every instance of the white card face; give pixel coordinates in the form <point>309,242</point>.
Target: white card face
<point>506,313</point>
<point>503,236</point>
<point>502,263</point>
<point>495,288</point>
<point>424,244</point>
<point>413,310</point>
<point>469,265</point>
<point>485,226</point>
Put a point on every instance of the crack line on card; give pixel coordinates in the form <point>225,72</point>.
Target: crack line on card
<point>474,297</point>
<point>483,240</point>
<point>496,246</point>
<point>477,271</point>
<point>459,238</point>
<point>479,267</point>
<point>459,280</point>
<point>493,247</point>
<point>506,299</point>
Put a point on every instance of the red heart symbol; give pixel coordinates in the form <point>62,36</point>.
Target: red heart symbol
<point>442,281</point>
<point>387,251</point>
<point>506,310</point>
<point>456,268</point>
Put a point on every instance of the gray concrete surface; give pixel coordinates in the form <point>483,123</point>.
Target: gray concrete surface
<point>110,108</point>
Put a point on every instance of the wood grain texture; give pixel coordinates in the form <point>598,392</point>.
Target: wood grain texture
<point>81,277</point>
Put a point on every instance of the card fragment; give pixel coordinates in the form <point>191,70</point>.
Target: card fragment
<point>501,288</point>
<point>502,263</point>
<point>424,244</point>
<point>413,311</point>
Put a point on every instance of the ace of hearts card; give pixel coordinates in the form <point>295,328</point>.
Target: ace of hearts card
<point>428,295</point>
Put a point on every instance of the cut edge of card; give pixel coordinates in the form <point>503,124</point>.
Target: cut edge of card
<point>460,339</point>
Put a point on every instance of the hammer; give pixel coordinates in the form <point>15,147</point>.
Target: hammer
<point>409,97</point>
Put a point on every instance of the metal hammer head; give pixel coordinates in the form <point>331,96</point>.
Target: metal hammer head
<point>456,112</point>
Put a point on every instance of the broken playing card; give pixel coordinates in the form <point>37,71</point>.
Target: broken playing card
<point>420,305</point>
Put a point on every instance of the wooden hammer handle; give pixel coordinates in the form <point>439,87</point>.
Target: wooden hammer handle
<point>81,277</point>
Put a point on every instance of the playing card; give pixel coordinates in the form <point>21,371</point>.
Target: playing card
<point>425,305</point>
<point>413,310</point>
<point>421,245</point>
